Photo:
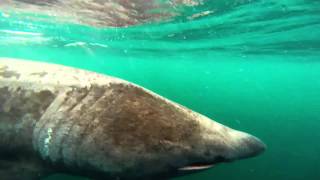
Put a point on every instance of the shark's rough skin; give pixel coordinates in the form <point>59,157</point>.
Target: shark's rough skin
<point>61,119</point>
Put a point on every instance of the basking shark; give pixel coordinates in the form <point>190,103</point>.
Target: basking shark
<point>62,119</point>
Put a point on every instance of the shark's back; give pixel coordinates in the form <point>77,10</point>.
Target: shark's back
<point>38,75</point>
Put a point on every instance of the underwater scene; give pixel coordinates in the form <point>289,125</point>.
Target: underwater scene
<point>252,65</point>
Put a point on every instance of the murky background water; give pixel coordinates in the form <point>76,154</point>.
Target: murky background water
<point>253,65</point>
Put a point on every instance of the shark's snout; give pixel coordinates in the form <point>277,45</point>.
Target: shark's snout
<point>220,143</point>
<point>255,145</point>
<point>245,146</point>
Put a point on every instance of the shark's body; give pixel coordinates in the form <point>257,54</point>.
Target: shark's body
<point>61,119</point>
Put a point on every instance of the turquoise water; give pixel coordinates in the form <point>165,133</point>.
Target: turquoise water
<point>251,65</point>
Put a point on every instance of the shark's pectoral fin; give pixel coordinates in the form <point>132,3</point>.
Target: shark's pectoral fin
<point>22,168</point>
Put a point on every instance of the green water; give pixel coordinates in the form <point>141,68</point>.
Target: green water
<point>254,66</point>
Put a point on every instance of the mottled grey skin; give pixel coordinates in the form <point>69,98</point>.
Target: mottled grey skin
<point>60,119</point>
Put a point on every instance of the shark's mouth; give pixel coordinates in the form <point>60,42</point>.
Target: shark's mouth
<point>199,166</point>
<point>196,167</point>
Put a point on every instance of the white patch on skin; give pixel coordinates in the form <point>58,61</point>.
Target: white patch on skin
<point>47,142</point>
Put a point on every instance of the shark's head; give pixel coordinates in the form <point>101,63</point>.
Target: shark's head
<point>216,144</point>
<point>142,135</point>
